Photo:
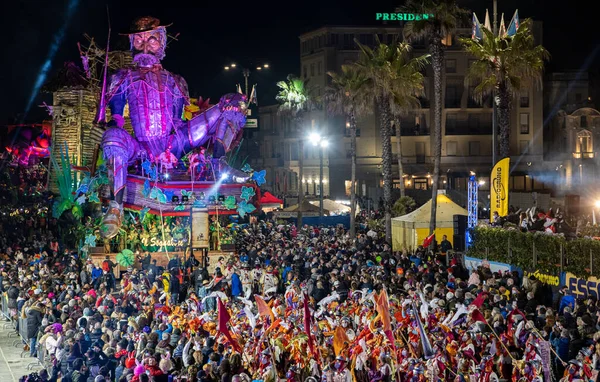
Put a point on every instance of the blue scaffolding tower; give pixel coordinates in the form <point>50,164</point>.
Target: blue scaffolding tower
<point>472,209</point>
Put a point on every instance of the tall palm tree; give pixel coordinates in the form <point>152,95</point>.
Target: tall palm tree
<point>408,83</point>
<point>505,64</point>
<point>387,66</point>
<point>446,17</point>
<point>294,101</point>
<point>350,94</point>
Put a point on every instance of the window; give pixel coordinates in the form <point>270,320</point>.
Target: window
<point>454,89</point>
<point>451,148</point>
<point>312,70</point>
<point>319,67</point>
<point>584,145</point>
<point>523,147</point>
<point>294,151</point>
<point>474,148</point>
<point>473,123</point>
<point>305,71</point>
<point>524,123</point>
<point>450,124</point>
<point>471,102</point>
<point>450,66</point>
<point>524,99</point>
<point>421,184</point>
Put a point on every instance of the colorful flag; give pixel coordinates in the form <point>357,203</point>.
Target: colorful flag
<point>476,315</point>
<point>239,89</point>
<point>479,300</point>
<point>340,340</point>
<point>307,328</point>
<point>487,23</point>
<point>223,319</point>
<point>502,30</point>
<point>253,96</point>
<point>263,308</point>
<point>428,240</point>
<point>513,27</point>
<point>382,307</point>
<point>476,31</point>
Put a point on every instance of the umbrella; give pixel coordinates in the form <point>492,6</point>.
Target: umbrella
<point>125,258</point>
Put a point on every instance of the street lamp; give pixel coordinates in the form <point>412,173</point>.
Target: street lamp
<point>245,72</point>
<point>322,142</point>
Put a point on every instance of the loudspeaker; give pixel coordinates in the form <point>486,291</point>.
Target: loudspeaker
<point>459,243</point>
<point>460,225</point>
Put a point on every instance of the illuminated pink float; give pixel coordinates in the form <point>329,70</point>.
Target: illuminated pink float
<point>156,99</point>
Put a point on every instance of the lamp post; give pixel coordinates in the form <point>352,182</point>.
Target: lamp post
<point>245,73</point>
<point>322,143</point>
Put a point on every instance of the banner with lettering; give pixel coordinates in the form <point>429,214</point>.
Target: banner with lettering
<point>579,287</point>
<point>200,224</point>
<point>544,278</point>
<point>157,244</point>
<point>499,188</point>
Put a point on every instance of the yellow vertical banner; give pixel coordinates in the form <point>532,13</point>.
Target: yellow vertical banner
<point>499,188</point>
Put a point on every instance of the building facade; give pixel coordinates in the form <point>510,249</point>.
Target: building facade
<point>466,130</point>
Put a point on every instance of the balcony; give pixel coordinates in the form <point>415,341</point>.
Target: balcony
<point>583,155</point>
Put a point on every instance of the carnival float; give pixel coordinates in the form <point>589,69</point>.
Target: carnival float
<point>134,158</point>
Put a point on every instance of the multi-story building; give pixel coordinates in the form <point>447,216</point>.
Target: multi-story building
<point>466,129</point>
<point>571,134</point>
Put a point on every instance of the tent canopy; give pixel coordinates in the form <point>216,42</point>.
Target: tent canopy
<point>332,206</point>
<point>305,207</point>
<point>446,209</point>
<point>268,198</point>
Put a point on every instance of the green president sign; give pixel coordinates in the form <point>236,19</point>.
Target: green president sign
<point>402,16</point>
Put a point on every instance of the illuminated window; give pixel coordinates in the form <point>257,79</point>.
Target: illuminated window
<point>584,147</point>
<point>348,187</point>
<point>524,99</point>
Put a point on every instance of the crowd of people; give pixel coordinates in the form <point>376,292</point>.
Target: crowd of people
<point>307,304</point>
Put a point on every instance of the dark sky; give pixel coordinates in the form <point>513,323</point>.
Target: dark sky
<point>216,33</point>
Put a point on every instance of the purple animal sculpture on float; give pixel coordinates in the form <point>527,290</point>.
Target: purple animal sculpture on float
<point>156,99</point>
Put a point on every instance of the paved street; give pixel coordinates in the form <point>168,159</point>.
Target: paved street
<point>12,366</point>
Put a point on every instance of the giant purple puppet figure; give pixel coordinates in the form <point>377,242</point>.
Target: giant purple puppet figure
<point>156,99</point>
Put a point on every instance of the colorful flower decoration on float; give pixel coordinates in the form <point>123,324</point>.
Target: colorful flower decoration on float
<point>90,240</point>
<point>143,213</point>
<point>179,207</point>
<point>247,193</point>
<point>125,258</point>
<point>259,177</point>
<point>157,194</point>
<point>229,202</point>
<point>169,194</point>
<point>247,168</point>
<point>93,198</point>
<point>146,190</point>
<point>80,200</point>
<point>245,208</point>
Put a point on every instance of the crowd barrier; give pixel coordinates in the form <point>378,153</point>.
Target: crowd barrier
<point>18,329</point>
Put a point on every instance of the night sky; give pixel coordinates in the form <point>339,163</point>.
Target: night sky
<point>216,33</point>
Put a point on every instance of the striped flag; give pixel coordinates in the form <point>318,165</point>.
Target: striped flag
<point>253,98</point>
<point>513,27</point>
<point>476,31</point>
<point>428,240</point>
<point>502,30</point>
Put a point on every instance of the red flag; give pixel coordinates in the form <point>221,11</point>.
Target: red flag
<point>222,321</point>
<point>307,326</point>
<point>428,240</point>
<point>479,300</point>
<point>478,316</point>
<point>382,306</point>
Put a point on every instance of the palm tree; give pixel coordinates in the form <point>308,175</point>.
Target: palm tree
<point>446,16</point>
<point>294,101</point>
<point>505,64</point>
<point>409,85</point>
<point>350,94</point>
<point>387,66</point>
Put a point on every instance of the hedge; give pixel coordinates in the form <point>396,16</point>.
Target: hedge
<point>514,247</point>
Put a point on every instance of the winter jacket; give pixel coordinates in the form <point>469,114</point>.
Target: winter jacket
<point>34,320</point>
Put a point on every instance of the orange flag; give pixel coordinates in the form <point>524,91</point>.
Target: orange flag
<point>340,340</point>
<point>263,308</point>
<point>383,310</point>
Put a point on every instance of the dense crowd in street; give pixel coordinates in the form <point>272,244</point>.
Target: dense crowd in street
<point>296,305</point>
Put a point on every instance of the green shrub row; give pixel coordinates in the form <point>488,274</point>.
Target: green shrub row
<point>514,247</point>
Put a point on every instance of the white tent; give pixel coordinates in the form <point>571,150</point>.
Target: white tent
<point>332,206</point>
